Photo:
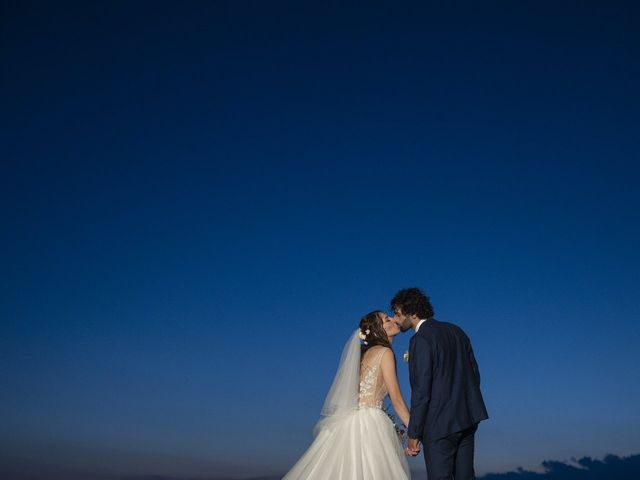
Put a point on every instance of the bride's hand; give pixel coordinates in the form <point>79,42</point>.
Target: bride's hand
<point>413,447</point>
<point>410,453</point>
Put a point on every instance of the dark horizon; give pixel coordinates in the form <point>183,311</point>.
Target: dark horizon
<point>610,467</point>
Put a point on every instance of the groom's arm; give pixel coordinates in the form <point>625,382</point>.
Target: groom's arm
<point>421,363</point>
<point>474,364</point>
<point>472,359</point>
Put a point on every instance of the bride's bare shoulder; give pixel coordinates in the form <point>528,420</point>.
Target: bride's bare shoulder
<point>375,351</point>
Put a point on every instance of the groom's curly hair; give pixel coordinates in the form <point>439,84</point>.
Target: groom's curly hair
<point>377,335</point>
<point>412,301</point>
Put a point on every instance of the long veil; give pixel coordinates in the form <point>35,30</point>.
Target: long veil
<point>342,398</point>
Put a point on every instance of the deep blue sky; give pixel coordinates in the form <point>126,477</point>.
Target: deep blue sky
<point>200,200</point>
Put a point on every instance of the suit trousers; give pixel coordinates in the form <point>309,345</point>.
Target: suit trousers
<point>451,457</point>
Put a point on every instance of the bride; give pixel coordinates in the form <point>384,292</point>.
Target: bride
<point>355,439</point>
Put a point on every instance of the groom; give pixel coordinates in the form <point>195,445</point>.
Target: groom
<point>446,403</point>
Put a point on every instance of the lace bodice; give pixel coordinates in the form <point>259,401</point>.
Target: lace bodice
<point>372,387</point>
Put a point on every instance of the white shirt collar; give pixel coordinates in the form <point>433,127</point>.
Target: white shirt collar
<point>420,323</point>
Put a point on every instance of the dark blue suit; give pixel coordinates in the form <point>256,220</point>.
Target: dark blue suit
<point>446,402</point>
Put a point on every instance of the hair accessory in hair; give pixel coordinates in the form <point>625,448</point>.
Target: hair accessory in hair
<point>363,336</point>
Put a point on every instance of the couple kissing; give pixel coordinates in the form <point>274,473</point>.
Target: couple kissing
<point>356,440</point>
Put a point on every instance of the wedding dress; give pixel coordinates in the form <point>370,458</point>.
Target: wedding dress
<point>356,440</point>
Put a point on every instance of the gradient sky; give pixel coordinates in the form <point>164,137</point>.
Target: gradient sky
<point>201,199</point>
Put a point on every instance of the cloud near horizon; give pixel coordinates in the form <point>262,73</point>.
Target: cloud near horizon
<point>611,467</point>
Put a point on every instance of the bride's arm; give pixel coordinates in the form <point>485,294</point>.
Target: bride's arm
<point>388,366</point>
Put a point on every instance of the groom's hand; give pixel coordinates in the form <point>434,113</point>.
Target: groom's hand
<point>413,447</point>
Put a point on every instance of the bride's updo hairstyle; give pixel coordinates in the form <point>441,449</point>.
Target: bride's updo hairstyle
<point>376,336</point>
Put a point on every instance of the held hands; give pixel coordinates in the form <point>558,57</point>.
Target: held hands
<point>413,447</point>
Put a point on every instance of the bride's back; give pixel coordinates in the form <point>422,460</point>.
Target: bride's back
<point>372,387</point>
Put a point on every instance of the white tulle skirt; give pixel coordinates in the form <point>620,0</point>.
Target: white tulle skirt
<point>359,446</point>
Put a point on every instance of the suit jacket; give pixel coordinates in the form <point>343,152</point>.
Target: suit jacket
<point>445,382</point>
